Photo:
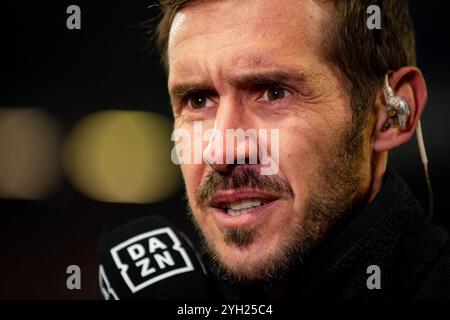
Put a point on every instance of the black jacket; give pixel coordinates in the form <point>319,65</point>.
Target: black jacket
<point>391,233</point>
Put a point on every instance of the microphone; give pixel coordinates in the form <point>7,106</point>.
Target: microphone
<point>149,259</point>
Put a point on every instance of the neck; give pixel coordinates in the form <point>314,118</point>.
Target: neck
<point>379,166</point>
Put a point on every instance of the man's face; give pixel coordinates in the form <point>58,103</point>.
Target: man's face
<point>259,65</point>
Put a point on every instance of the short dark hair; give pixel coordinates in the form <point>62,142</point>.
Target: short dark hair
<point>363,55</point>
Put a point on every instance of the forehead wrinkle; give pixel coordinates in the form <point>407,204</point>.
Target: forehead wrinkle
<point>257,70</point>
<point>203,18</point>
<point>213,62</point>
<point>197,75</point>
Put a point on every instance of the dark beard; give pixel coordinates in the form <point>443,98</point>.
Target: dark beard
<point>335,195</point>
<point>240,237</point>
<point>285,259</point>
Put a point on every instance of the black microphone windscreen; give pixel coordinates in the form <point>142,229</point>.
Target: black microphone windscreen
<point>150,259</point>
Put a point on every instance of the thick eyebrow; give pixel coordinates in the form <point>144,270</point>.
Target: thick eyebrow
<point>182,90</point>
<point>267,78</point>
<point>293,77</point>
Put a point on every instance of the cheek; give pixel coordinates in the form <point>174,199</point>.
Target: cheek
<point>192,174</point>
<point>302,151</point>
<point>295,165</point>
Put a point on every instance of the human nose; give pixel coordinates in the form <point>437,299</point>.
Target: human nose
<point>233,140</point>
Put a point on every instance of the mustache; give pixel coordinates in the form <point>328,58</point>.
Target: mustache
<point>241,176</point>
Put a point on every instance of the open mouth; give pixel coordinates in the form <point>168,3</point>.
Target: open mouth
<point>242,206</point>
<point>233,204</point>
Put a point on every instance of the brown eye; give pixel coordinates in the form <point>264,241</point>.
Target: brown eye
<point>275,93</point>
<point>199,102</point>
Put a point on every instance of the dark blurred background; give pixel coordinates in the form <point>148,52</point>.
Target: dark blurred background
<point>99,95</point>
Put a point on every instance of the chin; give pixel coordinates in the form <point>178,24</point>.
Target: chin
<point>244,266</point>
<point>261,261</point>
<point>263,252</point>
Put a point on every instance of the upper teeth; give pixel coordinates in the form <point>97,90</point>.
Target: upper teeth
<point>242,206</point>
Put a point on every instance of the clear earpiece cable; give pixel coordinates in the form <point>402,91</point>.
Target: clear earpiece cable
<point>424,158</point>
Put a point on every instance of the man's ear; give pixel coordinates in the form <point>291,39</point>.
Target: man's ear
<point>408,83</point>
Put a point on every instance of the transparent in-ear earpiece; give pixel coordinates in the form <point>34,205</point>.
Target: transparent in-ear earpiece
<point>398,113</point>
<point>397,107</point>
